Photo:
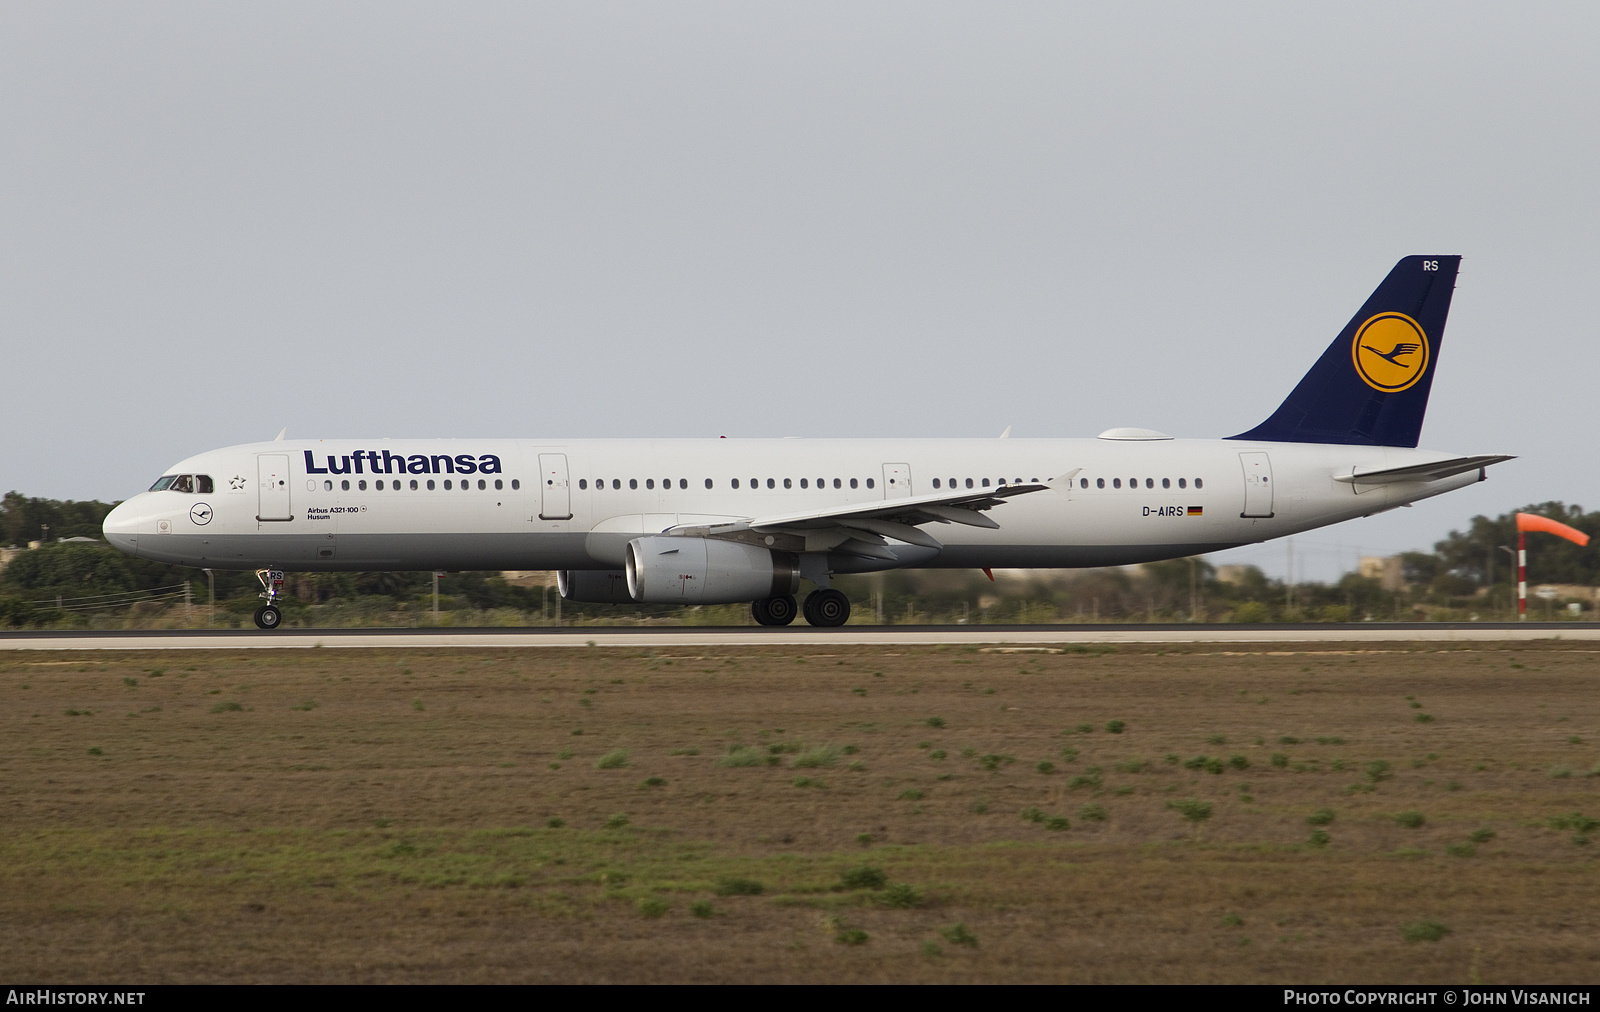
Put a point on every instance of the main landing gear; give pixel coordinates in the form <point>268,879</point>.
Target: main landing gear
<point>824,608</point>
<point>268,616</point>
<point>827,608</point>
<point>773,610</point>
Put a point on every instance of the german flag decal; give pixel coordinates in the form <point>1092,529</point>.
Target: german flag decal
<point>1195,511</point>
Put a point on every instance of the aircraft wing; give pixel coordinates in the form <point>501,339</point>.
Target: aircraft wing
<point>861,529</point>
<point>1432,471</point>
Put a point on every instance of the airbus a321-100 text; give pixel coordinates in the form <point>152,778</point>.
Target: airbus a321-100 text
<point>715,521</point>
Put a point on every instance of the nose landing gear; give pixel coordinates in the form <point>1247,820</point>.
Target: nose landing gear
<point>268,616</point>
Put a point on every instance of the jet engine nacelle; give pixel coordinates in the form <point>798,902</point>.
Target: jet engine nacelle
<point>672,570</point>
<point>594,586</point>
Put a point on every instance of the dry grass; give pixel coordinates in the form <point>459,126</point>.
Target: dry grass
<point>385,815</point>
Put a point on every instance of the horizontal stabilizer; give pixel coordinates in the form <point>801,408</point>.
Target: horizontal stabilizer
<point>1433,471</point>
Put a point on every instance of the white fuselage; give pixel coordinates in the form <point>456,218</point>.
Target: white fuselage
<point>575,504</point>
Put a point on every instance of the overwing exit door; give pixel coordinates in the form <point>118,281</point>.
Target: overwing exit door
<point>1257,484</point>
<point>896,481</point>
<point>272,485</point>
<point>555,492</point>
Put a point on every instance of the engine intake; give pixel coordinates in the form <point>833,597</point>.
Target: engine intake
<point>681,570</point>
<point>594,586</point>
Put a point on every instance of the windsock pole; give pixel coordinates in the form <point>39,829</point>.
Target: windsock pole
<point>1522,576</point>
<point>1533,522</point>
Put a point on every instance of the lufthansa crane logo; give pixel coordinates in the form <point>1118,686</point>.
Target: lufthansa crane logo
<point>1390,352</point>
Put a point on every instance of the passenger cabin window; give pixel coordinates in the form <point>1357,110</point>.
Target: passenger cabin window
<point>1149,483</point>
<point>936,483</point>
<point>1199,484</point>
<point>1083,482</point>
<point>787,483</point>
<point>986,483</point>
<point>1183,483</point>
<point>869,483</point>
<point>413,484</point>
<point>1099,483</point>
<point>1166,482</point>
<point>344,486</point>
<point>803,483</point>
<point>516,483</point>
<point>362,484</point>
<point>771,483</point>
<point>683,484</point>
<point>616,484</point>
<point>969,482</point>
<point>852,483</point>
<point>448,486</point>
<point>633,483</point>
<point>649,483</point>
<point>734,483</point>
<point>327,486</point>
<point>1116,482</point>
<point>708,483</point>
<point>430,484</point>
<point>836,483</point>
<point>583,483</point>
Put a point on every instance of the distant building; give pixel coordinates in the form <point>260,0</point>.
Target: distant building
<point>1386,570</point>
<point>7,554</point>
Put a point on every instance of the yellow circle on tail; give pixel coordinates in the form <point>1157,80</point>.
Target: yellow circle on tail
<point>1390,351</point>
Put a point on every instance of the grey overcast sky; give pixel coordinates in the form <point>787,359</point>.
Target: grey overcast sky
<point>694,219</point>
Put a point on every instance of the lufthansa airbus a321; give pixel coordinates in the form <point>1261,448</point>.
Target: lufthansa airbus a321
<point>715,521</point>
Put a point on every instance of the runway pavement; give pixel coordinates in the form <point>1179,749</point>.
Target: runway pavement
<point>1031,636</point>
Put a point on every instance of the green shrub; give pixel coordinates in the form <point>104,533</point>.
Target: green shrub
<point>1092,813</point>
<point>1288,739</point>
<point>931,950</point>
<point>97,750</point>
<point>652,906</point>
<point>1410,820</point>
<point>613,760</point>
<point>1216,739</point>
<point>900,896</point>
<point>1320,817</point>
<point>653,782</point>
<point>817,758</point>
<point>1089,780</point>
<point>1131,766</point>
<point>1319,838</point>
<point>555,822</point>
<point>1423,931</point>
<point>1576,821</point>
<point>1192,810</point>
<point>1069,754</point>
<point>1561,772</point>
<point>1045,766</point>
<point>1423,718</point>
<point>912,795</point>
<point>937,754</point>
<point>1461,850</point>
<point>807,782</point>
<point>701,909</point>
<point>743,756</point>
<point>617,821</point>
<point>1032,814</point>
<point>864,876</point>
<point>934,722</point>
<point>1279,760</point>
<point>851,936</point>
<point>733,886</point>
<point>1115,726</point>
<point>1084,728</point>
<point>1239,762</point>
<point>957,934</point>
<point>1481,835</point>
<point>1195,763</point>
<point>994,760</point>
<point>1215,765</point>
<point>1330,741</point>
<point>1378,771</point>
<point>1058,823</point>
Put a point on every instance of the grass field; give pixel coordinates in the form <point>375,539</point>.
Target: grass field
<point>802,814</point>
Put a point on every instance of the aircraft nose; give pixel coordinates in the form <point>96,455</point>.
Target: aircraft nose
<point>121,527</point>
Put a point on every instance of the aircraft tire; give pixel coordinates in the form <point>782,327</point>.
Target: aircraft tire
<point>827,608</point>
<point>268,617</point>
<point>774,610</point>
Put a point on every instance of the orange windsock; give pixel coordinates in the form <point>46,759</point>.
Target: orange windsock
<point>1534,522</point>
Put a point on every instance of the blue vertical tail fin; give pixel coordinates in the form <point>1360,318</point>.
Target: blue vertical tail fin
<point>1371,386</point>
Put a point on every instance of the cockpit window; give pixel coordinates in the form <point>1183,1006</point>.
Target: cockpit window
<point>182,483</point>
<point>202,484</point>
<point>163,483</point>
